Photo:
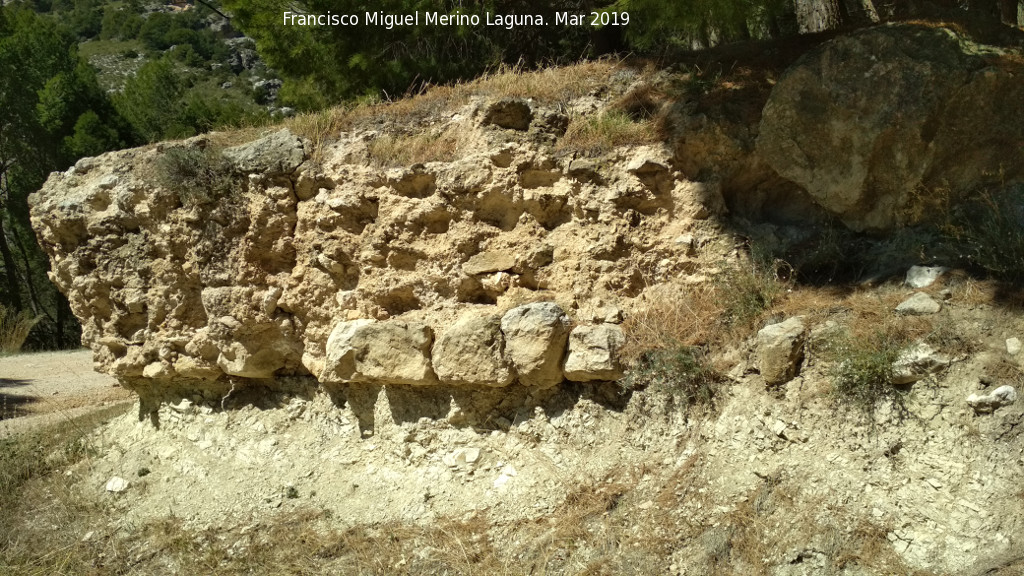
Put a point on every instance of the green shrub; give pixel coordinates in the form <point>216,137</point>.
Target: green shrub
<point>988,231</point>
<point>744,293</point>
<point>198,176</point>
<point>863,374</point>
<point>683,372</point>
<point>14,329</point>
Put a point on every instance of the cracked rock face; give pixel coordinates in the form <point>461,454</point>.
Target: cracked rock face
<point>194,267</point>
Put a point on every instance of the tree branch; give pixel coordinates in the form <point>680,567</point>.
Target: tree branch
<point>212,7</point>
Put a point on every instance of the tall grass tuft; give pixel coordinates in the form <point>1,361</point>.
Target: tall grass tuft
<point>14,329</point>
<point>198,176</point>
<point>747,291</point>
<point>602,133</point>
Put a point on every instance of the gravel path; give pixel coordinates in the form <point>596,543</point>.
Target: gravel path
<point>37,388</point>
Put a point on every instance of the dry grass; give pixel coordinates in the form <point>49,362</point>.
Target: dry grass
<point>776,518</point>
<point>595,135</point>
<point>670,316</point>
<point>954,26</point>
<point>586,534</point>
<point>34,497</point>
<point>815,303</point>
<point>872,310</point>
<point>669,335</point>
<point>683,319</point>
<point>748,291</point>
<point>638,117</point>
<point>396,117</point>
<point>550,86</point>
<point>405,150</point>
<point>950,337</point>
<point>14,329</point>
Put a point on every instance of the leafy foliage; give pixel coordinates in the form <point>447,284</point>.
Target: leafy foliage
<point>340,62</point>
<point>49,116</point>
<point>661,23</point>
<point>162,102</point>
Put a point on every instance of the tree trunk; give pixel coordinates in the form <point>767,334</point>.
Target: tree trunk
<point>10,269</point>
<point>860,12</point>
<point>818,15</point>
<point>37,303</point>
<point>1008,10</point>
<point>63,314</point>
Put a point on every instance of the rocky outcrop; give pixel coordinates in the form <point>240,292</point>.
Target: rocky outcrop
<point>279,154</point>
<point>877,124</point>
<point>198,266</point>
<point>209,265</point>
<point>920,304</point>
<point>917,362</point>
<point>988,403</point>
<point>924,276</point>
<point>379,353</point>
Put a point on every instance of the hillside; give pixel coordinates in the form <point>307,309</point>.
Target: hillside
<point>598,319</point>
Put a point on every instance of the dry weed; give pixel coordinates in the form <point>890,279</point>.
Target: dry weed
<point>550,86</point>
<point>954,26</point>
<point>14,328</point>
<point>872,310</point>
<point>950,337</point>
<point>748,291</point>
<point>35,497</point>
<point>641,103</point>
<point>321,129</point>
<point>388,150</point>
<point>671,316</point>
<point>815,303</point>
<point>596,135</point>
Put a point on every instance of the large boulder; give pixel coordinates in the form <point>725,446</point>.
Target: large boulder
<point>472,353</point>
<point>381,353</point>
<point>873,125</point>
<point>594,353</point>
<point>535,338</point>
<point>194,271</point>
